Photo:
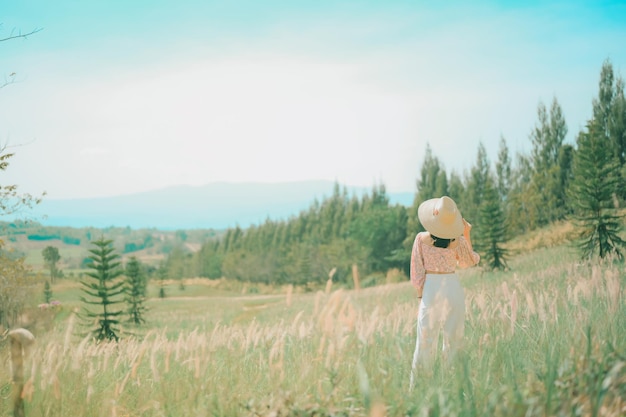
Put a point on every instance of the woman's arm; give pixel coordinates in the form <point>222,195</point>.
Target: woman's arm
<point>465,255</point>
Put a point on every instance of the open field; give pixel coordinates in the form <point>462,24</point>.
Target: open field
<point>547,338</point>
<point>150,246</point>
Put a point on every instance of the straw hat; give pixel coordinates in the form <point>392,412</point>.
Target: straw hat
<point>441,217</point>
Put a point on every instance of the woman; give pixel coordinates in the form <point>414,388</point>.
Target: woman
<point>436,254</point>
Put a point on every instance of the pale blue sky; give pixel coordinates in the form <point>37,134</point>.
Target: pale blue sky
<point>119,97</point>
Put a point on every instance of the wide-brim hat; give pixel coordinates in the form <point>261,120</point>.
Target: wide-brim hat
<point>441,217</point>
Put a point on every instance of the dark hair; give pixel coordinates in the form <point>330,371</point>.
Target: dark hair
<point>439,242</point>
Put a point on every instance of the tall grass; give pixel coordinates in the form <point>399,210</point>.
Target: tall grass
<point>548,338</point>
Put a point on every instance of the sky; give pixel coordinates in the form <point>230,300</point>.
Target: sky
<point>119,97</point>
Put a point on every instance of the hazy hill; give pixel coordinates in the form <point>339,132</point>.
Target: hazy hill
<point>212,206</point>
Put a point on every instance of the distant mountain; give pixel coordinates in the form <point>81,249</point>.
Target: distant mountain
<point>212,206</point>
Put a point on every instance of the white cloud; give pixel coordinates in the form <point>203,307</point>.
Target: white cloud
<point>94,151</point>
<point>246,119</point>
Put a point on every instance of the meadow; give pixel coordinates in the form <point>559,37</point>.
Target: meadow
<point>546,338</point>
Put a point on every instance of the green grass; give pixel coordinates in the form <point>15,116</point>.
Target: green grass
<point>546,338</point>
<point>70,254</point>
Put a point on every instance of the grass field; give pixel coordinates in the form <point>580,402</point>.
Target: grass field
<point>546,338</point>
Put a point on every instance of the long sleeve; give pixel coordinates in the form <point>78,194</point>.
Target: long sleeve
<point>464,256</point>
<point>418,271</point>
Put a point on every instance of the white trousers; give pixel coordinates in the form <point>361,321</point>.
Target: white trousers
<point>442,306</point>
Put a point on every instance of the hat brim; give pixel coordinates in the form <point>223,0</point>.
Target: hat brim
<point>433,224</point>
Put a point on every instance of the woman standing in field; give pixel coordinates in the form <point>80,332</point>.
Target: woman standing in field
<point>436,254</point>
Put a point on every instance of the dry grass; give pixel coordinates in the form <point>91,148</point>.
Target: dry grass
<point>556,234</point>
<point>547,340</point>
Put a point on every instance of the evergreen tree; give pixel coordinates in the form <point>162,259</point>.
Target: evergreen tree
<point>456,189</point>
<point>104,290</point>
<point>503,171</point>
<point>603,104</point>
<point>381,229</point>
<point>544,192</point>
<point>303,265</point>
<point>202,257</point>
<point>211,260</point>
<point>594,187</point>
<point>331,213</point>
<point>493,232</point>
<point>618,125</point>
<point>432,183</point>
<point>175,265</point>
<point>135,291</point>
<point>47,292</point>
<point>520,210</point>
<point>609,112</point>
<point>564,178</point>
<point>475,189</point>
<point>162,274</point>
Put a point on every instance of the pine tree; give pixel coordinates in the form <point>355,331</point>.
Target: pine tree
<point>433,183</point>
<point>609,112</point>
<point>175,265</point>
<point>618,127</point>
<point>520,210</point>
<point>493,231</point>
<point>503,170</point>
<point>544,192</point>
<point>47,292</point>
<point>210,259</point>
<point>162,274</point>
<point>381,229</point>
<point>475,189</point>
<point>564,178</point>
<point>456,189</point>
<point>135,291</point>
<point>594,188</point>
<point>104,290</point>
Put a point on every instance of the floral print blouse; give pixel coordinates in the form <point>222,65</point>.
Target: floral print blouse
<point>426,257</point>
